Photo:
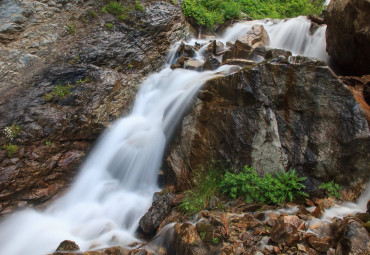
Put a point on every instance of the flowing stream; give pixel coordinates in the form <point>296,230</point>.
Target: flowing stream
<point>115,185</point>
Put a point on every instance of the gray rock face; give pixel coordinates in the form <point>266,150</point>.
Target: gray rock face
<point>287,113</point>
<point>158,211</point>
<point>348,35</point>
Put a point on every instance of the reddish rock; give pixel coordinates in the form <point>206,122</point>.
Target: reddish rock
<point>293,220</point>
<point>319,244</point>
<point>284,233</point>
<point>68,245</point>
<point>317,212</point>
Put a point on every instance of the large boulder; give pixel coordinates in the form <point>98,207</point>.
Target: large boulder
<point>158,211</point>
<point>286,113</point>
<point>348,35</point>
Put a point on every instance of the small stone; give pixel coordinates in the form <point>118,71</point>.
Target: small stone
<point>317,212</point>
<point>68,245</point>
<point>319,244</point>
<point>284,233</point>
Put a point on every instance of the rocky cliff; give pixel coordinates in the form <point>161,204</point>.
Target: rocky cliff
<point>65,75</point>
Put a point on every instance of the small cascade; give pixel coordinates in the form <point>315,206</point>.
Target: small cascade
<point>115,185</point>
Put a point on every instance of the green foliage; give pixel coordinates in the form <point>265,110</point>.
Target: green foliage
<point>138,6</point>
<point>85,80</point>
<point>59,92</point>
<point>112,7</point>
<point>93,14</point>
<point>202,235</point>
<point>109,26</point>
<point>207,13</point>
<point>48,143</point>
<point>331,188</point>
<point>270,189</point>
<point>122,17</point>
<point>174,2</point>
<point>11,132</point>
<point>215,240</point>
<point>207,185</point>
<point>11,149</point>
<point>71,28</point>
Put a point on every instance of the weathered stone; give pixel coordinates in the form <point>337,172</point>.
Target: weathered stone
<point>238,61</point>
<point>284,233</point>
<point>158,211</point>
<point>256,36</point>
<point>271,116</point>
<point>211,63</point>
<point>194,64</point>
<point>356,240</point>
<point>68,245</point>
<point>293,220</point>
<point>319,244</point>
<point>187,240</point>
<point>348,35</point>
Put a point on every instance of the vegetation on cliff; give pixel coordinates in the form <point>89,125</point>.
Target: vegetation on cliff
<point>275,188</point>
<point>208,13</point>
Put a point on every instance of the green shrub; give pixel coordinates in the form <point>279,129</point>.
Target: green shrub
<point>11,149</point>
<point>270,189</point>
<point>138,6</point>
<point>48,143</point>
<point>122,17</point>
<point>11,132</point>
<point>93,14</point>
<point>207,13</point>
<point>332,189</point>
<point>207,185</point>
<point>112,7</point>
<point>59,92</point>
<point>109,26</point>
<point>71,28</point>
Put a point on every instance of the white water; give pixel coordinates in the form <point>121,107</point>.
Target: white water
<point>115,185</point>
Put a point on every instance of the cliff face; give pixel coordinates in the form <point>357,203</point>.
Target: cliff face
<point>288,112</point>
<point>64,77</point>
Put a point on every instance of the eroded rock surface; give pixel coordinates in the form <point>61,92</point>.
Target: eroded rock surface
<point>291,112</point>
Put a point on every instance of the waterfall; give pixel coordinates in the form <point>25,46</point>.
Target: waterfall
<point>115,185</point>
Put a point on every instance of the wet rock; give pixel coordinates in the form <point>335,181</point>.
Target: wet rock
<point>158,211</point>
<point>284,233</point>
<point>246,44</point>
<point>276,115</point>
<point>194,64</point>
<point>317,212</point>
<point>211,63</point>
<point>179,63</point>
<point>239,62</point>
<point>356,240</point>
<point>348,37</point>
<point>274,53</point>
<point>68,245</point>
<point>185,50</point>
<point>293,220</point>
<point>187,240</point>
<point>215,48</point>
<point>319,244</point>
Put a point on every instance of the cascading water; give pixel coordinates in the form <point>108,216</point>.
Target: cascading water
<point>116,183</point>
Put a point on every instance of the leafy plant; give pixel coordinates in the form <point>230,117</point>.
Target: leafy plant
<point>109,26</point>
<point>207,185</point>
<point>11,149</point>
<point>271,189</point>
<point>202,235</point>
<point>207,13</point>
<point>331,188</point>
<point>59,92</point>
<point>138,6</point>
<point>71,28</point>
<point>93,14</point>
<point>112,7</point>
<point>11,132</point>
<point>122,17</point>
<point>215,240</point>
<point>48,143</point>
<point>85,80</point>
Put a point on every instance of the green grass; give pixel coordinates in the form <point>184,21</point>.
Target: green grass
<point>207,186</point>
<point>208,13</point>
<point>112,7</point>
<point>59,92</point>
<point>11,149</point>
<point>109,26</point>
<point>71,28</point>
<point>138,6</point>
